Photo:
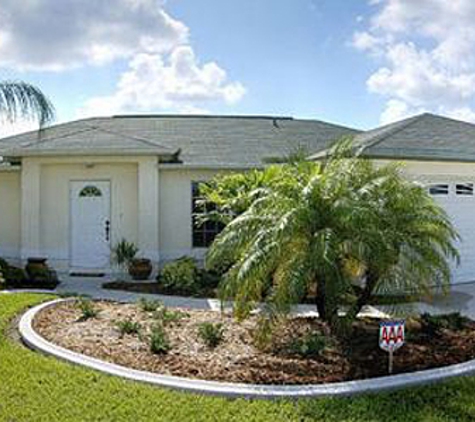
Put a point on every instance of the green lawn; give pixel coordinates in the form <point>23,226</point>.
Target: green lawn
<point>36,388</point>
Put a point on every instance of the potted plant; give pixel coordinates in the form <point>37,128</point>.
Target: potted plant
<point>124,255</point>
<point>36,264</point>
<point>140,268</point>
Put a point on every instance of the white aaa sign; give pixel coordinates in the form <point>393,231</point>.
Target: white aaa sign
<point>391,335</point>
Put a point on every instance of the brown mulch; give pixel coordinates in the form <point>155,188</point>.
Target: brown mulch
<point>237,359</point>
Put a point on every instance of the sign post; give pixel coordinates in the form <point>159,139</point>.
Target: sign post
<point>391,338</point>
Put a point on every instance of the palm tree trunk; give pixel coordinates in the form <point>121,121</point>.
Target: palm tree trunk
<point>327,306</point>
<point>364,297</point>
<point>320,299</point>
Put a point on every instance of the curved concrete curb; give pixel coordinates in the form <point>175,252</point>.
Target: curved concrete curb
<point>36,342</point>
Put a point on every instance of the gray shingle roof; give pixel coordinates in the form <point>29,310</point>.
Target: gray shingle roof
<point>423,137</point>
<point>239,141</point>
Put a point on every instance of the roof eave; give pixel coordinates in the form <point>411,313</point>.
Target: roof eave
<point>422,158</point>
<point>77,152</point>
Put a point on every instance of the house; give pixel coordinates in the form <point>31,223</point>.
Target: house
<point>73,190</point>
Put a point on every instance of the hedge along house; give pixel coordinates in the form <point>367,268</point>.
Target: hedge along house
<point>71,192</point>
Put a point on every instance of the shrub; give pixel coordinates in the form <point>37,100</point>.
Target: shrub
<point>3,264</point>
<point>87,309</point>
<point>165,315</point>
<point>311,344</point>
<point>211,334</point>
<point>2,280</point>
<point>434,324</point>
<point>15,277</point>
<point>209,279</point>
<point>150,305</point>
<point>127,326</point>
<point>159,343</point>
<point>180,275</point>
<point>43,277</point>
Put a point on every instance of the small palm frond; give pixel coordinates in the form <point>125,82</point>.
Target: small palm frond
<point>22,100</point>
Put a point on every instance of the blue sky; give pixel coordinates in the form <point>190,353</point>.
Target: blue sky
<point>358,63</point>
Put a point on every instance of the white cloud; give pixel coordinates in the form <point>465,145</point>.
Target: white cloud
<point>177,83</point>
<point>163,72</point>
<point>59,34</point>
<point>427,53</point>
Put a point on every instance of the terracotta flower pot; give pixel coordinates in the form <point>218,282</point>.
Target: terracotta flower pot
<point>140,269</point>
<point>35,265</point>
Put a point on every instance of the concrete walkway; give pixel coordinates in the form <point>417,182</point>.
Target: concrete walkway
<point>92,287</point>
<point>460,299</point>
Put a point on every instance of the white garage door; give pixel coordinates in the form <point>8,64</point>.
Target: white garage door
<point>459,201</point>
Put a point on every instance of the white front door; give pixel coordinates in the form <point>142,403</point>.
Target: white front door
<point>90,225</point>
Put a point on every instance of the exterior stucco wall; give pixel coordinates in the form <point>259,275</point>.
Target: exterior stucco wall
<point>10,212</point>
<point>175,225</point>
<point>150,206</point>
<point>175,230</point>
<point>435,170</point>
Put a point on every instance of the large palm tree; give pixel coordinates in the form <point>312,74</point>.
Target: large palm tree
<point>22,100</point>
<point>311,219</point>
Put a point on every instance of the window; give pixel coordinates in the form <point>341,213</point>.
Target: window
<point>203,234</point>
<point>464,189</point>
<point>441,189</point>
<point>90,191</point>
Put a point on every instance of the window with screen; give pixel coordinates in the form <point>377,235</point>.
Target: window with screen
<point>204,233</point>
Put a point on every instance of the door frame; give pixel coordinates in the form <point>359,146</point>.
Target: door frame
<point>108,268</point>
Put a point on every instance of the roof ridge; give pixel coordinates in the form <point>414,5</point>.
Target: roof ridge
<point>401,125</point>
<point>135,138</point>
<point>200,116</point>
<point>53,126</point>
<point>42,141</point>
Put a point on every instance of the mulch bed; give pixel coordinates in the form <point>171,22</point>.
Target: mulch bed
<point>237,359</point>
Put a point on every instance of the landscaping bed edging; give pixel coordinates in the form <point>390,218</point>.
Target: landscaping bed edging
<point>373,385</point>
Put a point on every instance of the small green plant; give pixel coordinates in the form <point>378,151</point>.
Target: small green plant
<point>180,275</point>
<point>150,305</point>
<point>211,334</point>
<point>124,252</point>
<point>311,344</point>
<point>87,309</point>
<point>159,342</point>
<point>263,333</point>
<point>127,326</point>
<point>165,315</point>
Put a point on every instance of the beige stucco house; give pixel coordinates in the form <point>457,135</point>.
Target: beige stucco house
<point>70,192</point>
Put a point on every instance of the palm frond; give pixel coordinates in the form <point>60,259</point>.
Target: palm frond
<point>22,100</point>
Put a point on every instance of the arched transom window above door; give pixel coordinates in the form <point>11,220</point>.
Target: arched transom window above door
<point>90,191</point>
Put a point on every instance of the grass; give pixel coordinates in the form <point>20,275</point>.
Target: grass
<point>37,388</point>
